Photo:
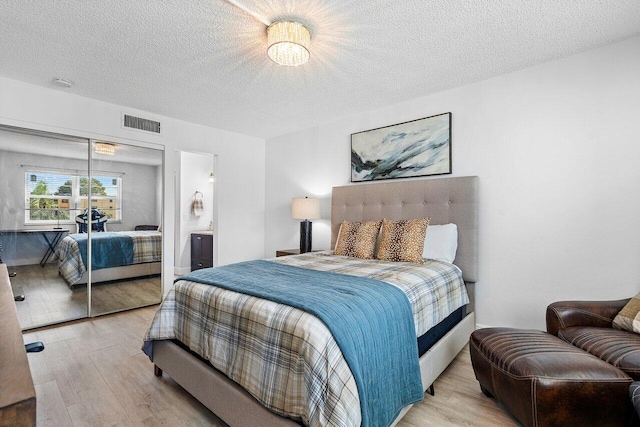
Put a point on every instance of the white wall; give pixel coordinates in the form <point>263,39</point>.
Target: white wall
<point>240,170</point>
<point>557,150</point>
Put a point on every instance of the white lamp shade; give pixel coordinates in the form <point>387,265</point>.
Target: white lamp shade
<point>305,208</point>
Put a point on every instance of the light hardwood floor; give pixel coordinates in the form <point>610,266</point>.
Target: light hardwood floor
<point>93,373</point>
<point>48,298</point>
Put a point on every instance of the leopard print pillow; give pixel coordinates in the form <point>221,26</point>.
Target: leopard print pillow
<point>626,318</point>
<point>358,239</point>
<point>403,240</point>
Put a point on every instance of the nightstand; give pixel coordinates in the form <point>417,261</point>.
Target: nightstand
<point>285,252</point>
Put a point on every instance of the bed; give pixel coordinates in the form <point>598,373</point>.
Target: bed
<point>115,255</point>
<point>450,200</point>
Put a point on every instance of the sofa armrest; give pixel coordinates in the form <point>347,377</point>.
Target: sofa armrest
<point>564,314</point>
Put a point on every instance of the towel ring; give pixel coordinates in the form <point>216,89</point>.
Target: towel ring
<point>196,195</point>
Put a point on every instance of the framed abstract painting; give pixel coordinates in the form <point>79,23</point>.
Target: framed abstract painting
<point>417,148</point>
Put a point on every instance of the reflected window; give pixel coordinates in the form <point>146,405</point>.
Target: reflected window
<point>53,197</point>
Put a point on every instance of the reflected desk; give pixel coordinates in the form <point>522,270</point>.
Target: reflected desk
<point>46,233</point>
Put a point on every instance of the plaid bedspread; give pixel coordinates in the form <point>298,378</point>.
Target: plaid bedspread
<point>286,358</point>
<point>147,247</point>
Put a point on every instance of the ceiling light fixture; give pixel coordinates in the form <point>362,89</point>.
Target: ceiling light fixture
<point>288,43</point>
<point>104,148</point>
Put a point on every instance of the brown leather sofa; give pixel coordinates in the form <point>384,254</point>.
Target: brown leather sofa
<point>587,326</point>
<point>553,378</point>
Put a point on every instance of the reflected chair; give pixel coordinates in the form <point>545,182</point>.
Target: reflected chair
<point>98,221</point>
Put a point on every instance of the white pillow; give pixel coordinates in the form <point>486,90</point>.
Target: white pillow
<point>441,243</point>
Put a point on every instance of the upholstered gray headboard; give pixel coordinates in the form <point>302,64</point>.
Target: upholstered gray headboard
<point>445,200</point>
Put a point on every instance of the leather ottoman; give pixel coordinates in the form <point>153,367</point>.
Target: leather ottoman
<point>544,381</point>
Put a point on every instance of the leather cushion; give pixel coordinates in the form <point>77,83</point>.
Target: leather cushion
<point>529,353</point>
<point>542,380</point>
<point>618,348</point>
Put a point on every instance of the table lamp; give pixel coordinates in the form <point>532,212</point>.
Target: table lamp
<point>305,209</point>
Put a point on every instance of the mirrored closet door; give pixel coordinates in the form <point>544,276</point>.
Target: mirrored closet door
<point>40,195</point>
<point>79,225</point>
<point>126,238</point>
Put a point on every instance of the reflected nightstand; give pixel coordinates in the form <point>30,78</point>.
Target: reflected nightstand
<point>286,252</point>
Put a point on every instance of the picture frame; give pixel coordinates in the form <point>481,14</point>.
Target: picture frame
<point>420,147</point>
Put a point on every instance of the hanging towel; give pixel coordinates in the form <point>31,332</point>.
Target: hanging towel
<point>197,207</point>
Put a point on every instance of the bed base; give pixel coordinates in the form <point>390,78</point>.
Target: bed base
<point>123,272</point>
<point>438,357</point>
<point>236,407</point>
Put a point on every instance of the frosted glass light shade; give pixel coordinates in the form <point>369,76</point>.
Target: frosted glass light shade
<point>305,208</point>
<point>288,43</point>
<point>104,148</point>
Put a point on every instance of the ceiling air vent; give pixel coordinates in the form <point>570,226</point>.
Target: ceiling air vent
<point>138,123</point>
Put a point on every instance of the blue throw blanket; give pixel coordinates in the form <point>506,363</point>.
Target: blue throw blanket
<point>370,320</point>
<point>108,249</point>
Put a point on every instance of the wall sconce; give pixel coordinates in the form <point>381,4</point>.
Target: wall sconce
<point>211,178</point>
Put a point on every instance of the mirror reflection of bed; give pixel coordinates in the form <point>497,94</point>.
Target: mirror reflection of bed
<point>43,191</point>
<point>125,266</point>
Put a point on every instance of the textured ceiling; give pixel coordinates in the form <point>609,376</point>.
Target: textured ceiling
<point>205,61</point>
